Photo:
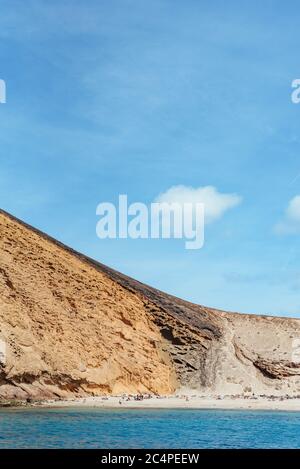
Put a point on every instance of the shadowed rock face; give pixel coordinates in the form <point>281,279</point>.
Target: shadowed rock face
<point>70,326</point>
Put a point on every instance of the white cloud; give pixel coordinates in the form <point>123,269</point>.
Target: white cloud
<point>215,203</point>
<point>290,224</point>
<point>293,210</point>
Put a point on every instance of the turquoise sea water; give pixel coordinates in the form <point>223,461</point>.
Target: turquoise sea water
<point>98,428</point>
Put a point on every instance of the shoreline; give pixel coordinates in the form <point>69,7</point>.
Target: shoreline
<point>176,402</point>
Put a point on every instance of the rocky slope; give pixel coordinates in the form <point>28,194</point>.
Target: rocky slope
<point>70,326</point>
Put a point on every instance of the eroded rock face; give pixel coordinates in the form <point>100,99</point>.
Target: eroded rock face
<point>70,326</point>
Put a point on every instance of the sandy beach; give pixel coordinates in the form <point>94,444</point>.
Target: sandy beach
<point>182,402</point>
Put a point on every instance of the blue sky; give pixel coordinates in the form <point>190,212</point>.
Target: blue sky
<point>135,97</point>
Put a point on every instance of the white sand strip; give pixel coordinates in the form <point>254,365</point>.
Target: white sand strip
<point>174,402</point>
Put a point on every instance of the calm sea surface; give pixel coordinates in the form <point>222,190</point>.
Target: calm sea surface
<point>98,428</point>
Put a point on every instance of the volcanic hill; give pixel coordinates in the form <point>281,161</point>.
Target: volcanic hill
<point>70,326</point>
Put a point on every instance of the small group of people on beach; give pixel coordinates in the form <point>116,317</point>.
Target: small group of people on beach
<point>134,397</point>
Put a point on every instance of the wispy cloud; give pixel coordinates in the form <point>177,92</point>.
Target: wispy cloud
<point>215,202</point>
<point>290,224</point>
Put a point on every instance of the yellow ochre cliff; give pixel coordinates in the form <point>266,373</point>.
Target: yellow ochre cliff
<point>70,326</point>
